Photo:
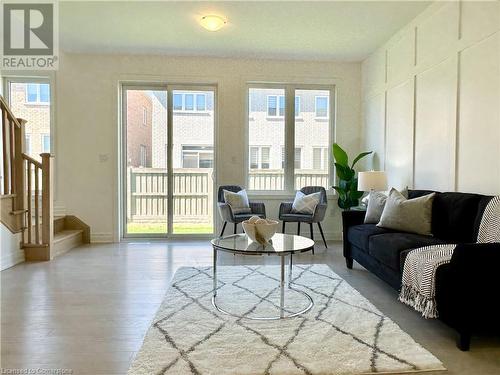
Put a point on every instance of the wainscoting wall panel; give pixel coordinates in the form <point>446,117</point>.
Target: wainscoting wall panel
<point>451,129</point>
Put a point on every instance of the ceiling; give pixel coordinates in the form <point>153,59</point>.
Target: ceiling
<point>328,30</point>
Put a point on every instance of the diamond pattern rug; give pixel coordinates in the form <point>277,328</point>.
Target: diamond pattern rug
<point>342,334</point>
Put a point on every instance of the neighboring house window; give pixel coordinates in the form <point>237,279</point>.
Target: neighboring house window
<point>38,93</point>
<point>197,157</point>
<point>144,116</point>
<point>321,106</point>
<point>297,158</point>
<point>260,157</point>
<point>190,102</point>
<point>297,106</point>
<point>45,143</point>
<point>143,156</point>
<point>275,105</point>
<point>320,158</point>
<point>27,144</point>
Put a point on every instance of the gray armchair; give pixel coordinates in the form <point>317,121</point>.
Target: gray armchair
<point>287,216</point>
<point>257,209</point>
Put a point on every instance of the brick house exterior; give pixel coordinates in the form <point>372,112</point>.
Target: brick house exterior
<point>139,128</point>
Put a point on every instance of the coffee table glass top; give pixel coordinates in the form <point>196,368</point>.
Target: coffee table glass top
<point>280,243</point>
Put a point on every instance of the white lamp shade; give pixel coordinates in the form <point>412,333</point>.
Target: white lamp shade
<point>372,180</point>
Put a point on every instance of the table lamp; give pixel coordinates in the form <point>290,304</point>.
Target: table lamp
<point>371,181</point>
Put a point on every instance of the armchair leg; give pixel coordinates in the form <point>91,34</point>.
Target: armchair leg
<point>283,228</point>
<point>322,235</point>
<point>312,236</point>
<point>235,228</point>
<point>463,342</point>
<point>223,229</point>
<point>298,228</point>
<point>348,262</point>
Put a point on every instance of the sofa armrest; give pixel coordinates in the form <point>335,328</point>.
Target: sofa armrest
<point>225,212</point>
<point>285,208</point>
<point>349,219</point>
<point>479,260</point>
<point>258,208</point>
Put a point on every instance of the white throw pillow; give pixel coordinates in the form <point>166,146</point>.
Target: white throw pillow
<point>305,204</point>
<point>237,201</point>
<point>376,204</point>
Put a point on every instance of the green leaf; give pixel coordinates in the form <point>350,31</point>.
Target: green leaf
<point>343,173</point>
<point>359,157</point>
<point>340,155</point>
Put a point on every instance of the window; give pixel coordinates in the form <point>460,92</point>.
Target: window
<point>320,158</point>
<point>27,144</point>
<point>197,157</point>
<point>190,102</point>
<point>259,157</point>
<point>45,143</point>
<point>297,106</point>
<point>143,156</point>
<point>303,161</point>
<point>38,93</point>
<point>276,105</point>
<point>297,158</point>
<point>144,116</point>
<point>321,106</point>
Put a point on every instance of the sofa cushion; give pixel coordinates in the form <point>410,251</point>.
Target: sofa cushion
<point>454,215</point>
<point>387,247</point>
<point>358,235</point>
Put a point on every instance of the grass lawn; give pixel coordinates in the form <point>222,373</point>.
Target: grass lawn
<point>189,228</point>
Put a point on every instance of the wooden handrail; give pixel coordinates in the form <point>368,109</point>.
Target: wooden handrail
<point>27,181</point>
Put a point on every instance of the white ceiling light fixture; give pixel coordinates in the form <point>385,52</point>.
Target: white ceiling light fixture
<point>212,22</point>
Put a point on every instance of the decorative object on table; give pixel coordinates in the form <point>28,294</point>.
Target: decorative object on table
<point>464,286</point>
<point>260,230</point>
<point>343,333</point>
<point>287,214</point>
<point>347,187</point>
<point>228,215</point>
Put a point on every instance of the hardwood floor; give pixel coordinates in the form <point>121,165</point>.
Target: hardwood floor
<point>89,309</point>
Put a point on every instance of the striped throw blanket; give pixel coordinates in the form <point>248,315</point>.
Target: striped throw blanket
<point>419,272</point>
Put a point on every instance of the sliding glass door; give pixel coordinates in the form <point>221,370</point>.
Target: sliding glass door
<point>168,160</point>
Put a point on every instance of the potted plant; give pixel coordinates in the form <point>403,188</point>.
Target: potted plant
<point>347,187</point>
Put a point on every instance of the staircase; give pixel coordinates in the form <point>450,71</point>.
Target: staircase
<point>27,198</point>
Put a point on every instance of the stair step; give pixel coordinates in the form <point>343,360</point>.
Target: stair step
<point>58,224</point>
<point>66,240</point>
<point>7,196</point>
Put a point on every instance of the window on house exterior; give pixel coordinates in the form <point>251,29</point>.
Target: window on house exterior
<point>260,157</point>
<point>190,102</point>
<point>320,158</point>
<point>197,157</point>
<point>144,116</point>
<point>297,157</point>
<point>321,106</point>
<point>143,156</point>
<point>276,106</point>
<point>38,93</point>
<point>297,106</point>
<point>45,143</point>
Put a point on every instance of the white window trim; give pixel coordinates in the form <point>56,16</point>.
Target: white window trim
<point>292,87</point>
<point>145,148</point>
<point>37,102</point>
<point>323,161</point>
<point>197,153</point>
<point>301,156</point>
<point>42,148</point>
<point>194,110</point>
<point>316,107</point>
<point>259,157</point>
<point>298,115</point>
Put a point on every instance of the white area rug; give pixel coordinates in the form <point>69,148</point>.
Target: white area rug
<point>342,334</point>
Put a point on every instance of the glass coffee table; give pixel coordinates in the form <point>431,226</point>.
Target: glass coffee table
<point>281,245</point>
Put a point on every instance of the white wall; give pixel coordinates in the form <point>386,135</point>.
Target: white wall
<point>431,100</point>
<point>10,250</point>
<point>87,118</point>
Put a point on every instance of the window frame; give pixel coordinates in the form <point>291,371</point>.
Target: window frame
<point>259,157</point>
<point>323,161</point>
<point>197,152</point>
<point>278,100</point>
<point>144,116</point>
<point>290,121</point>
<point>42,142</point>
<point>143,163</point>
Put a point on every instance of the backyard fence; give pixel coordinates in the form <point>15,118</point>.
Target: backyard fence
<point>193,191</point>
